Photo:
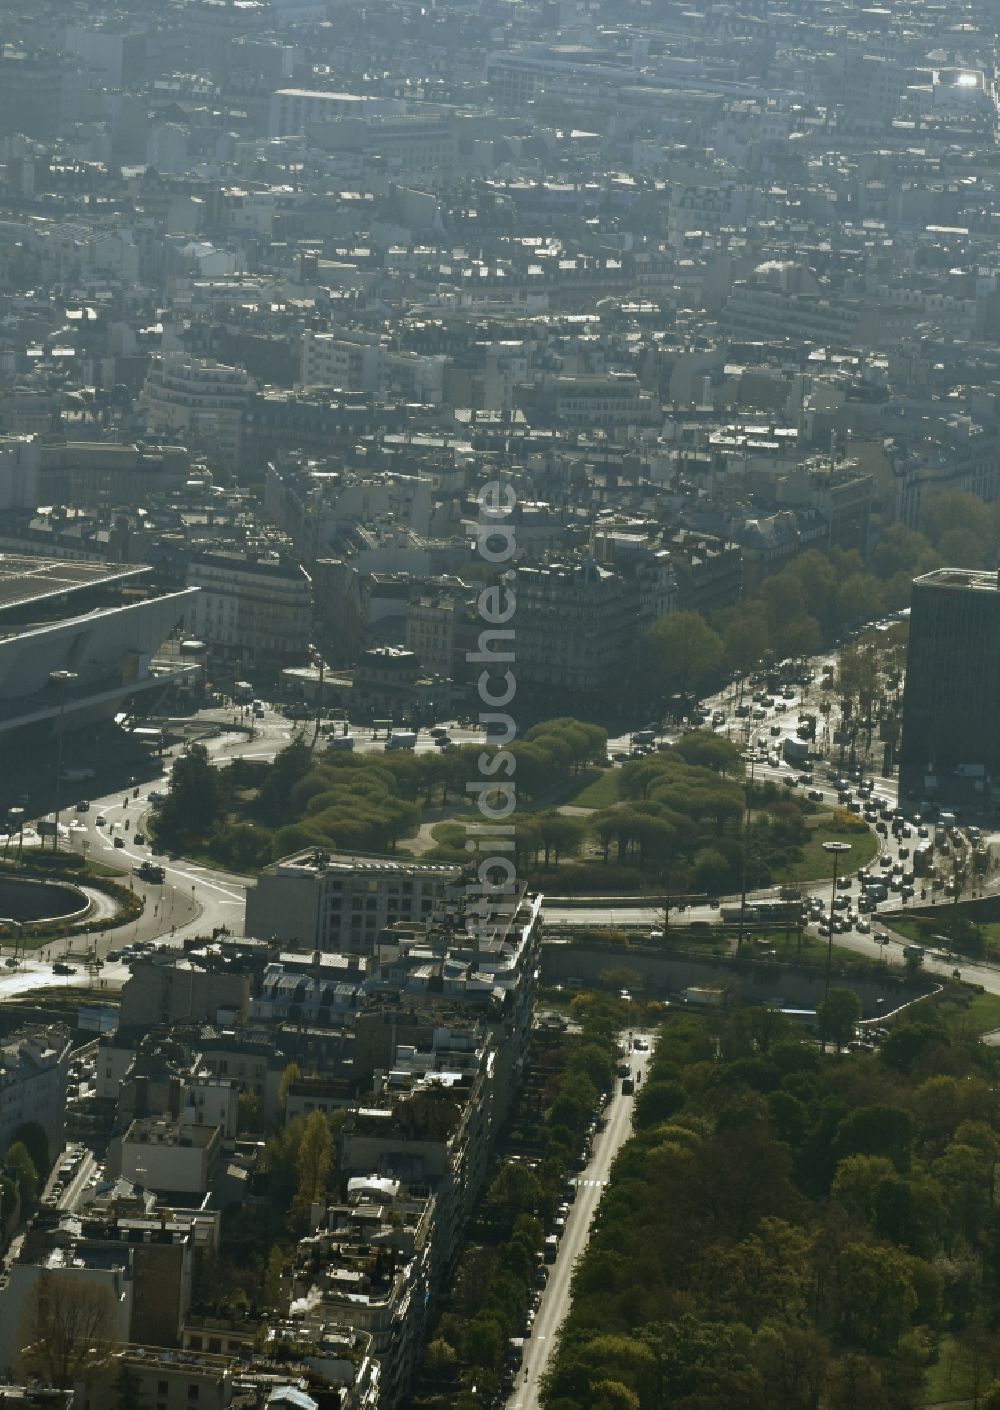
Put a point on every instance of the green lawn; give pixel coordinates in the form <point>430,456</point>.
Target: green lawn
<point>952,1379</point>
<point>102,869</point>
<point>598,788</point>
<point>815,864</point>
<point>983,1014</point>
<point>922,930</point>
<point>813,951</point>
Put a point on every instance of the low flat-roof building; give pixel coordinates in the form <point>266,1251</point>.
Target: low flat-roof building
<point>332,901</point>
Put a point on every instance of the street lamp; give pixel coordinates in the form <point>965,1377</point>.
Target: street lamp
<point>16,816</point>
<point>836,850</point>
<point>62,680</point>
<point>18,929</point>
<point>746,848</point>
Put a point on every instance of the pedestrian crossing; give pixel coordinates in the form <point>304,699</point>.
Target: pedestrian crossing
<point>592,1183</point>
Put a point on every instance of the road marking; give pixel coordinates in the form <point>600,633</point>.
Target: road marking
<point>214,886</point>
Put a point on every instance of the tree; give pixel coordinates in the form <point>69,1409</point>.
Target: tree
<point>290,765</point>
<point>745,640</point>
<point>251,1113</point>
<point>22,1167</point>
<point>314,1159</point>
<point>277,1267</point>
<point>803,636</point>
<point>484,1342</point>
<point>856,1181</point>
<point>873,1296</point>
<point>195,797</point>
<point>69,1329</point>
<point>683,652</point>
<point>656,1103</point>
<point>877,1130</point>
<point>838,1016</point>
<point>292,1073</point>
<point>559,834</point>
<point>594,1060</point>
<point>711,871</point>
<point>708,751</point>
<point>954,513</point>
<point>36,1142</point>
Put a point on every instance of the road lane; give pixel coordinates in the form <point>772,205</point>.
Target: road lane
<point>556,1299</point>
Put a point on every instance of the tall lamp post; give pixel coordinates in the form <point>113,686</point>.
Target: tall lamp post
<point>836,850</point>
<point>16,816</point>
<point>17,927</point>
<point>62,680</point>
<point>746,848</point>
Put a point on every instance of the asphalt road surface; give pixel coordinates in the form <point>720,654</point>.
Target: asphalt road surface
<point>555,1303</point>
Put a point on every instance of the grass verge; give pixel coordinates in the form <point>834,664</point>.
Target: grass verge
<point>598,789</point>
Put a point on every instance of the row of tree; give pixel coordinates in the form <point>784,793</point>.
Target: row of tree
<point>248,813</point>
<point>496,1276</point>
<point>788,1227</point>
<point>818,597</point>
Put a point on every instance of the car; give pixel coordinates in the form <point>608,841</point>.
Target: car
<point>863,926</point>
<point>114,955</point>
<point>83,806</point>
<point>139,838</point>
<point>119,842</point>
<point>814,796</point>
<point>60,968</point>
<point>100,820</point>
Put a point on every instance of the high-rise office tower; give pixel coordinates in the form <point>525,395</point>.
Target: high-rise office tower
<point>951,700</point>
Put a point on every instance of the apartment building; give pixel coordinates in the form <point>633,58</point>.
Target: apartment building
<point>368,1269</point>
<point>251,612</point>
<point>33,1065</point>
<point>576,627</point>
<point>197,400</point>
<point>365,362</point>
<point>340,902</point>
<point>170,1156</point>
